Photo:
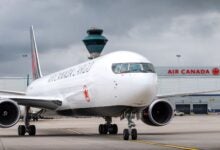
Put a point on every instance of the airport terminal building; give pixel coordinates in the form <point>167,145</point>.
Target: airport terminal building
<point>189,80</point>
<point>170,80</point>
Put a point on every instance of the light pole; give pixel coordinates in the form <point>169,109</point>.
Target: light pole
<point>178,56</point>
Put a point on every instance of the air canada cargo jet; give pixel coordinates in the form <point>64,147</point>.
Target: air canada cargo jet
<point>120,84</point>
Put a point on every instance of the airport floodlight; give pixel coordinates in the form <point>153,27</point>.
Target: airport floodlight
<point>178,55</point>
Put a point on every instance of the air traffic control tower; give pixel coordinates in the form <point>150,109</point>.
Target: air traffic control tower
<point>95,42</point>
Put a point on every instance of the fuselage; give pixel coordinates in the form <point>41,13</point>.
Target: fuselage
<point>103,83</point>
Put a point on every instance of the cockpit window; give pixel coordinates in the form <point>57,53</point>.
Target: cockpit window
<point>124,68</point>
<point>116,68</point>
<point>133,68</point>
<point>148,68</point>
<point>136,68</point>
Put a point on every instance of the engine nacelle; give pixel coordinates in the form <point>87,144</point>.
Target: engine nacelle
<point>158,113</point>
<point>9,113</point>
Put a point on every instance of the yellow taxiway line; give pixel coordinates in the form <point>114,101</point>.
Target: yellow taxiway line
<point>147,142</point>
<point>165,145</point>
<point>160,144</point>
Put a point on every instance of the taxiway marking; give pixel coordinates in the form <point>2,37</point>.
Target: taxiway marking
<point>73,130</point>
<point>144,142</point>
<point>160,144</point>
<point>165,145</point>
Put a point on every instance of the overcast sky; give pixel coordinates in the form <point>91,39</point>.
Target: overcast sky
<point>157,29</point>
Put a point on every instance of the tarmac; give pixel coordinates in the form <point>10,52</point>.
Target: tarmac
<point>183,133</point>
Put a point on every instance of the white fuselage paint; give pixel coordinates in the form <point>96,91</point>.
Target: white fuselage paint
<point>93,84</point>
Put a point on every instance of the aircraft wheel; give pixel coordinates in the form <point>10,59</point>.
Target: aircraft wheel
<point>103,129</point>
<point>134,134</point>
<point>115,129</point>
<point>21,130</point>
<point>126,134</point>
<point>32,130</point>
<point>110,129</point>
<point>100,128</point>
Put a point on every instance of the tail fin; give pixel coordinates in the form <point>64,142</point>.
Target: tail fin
<point>36,70</point>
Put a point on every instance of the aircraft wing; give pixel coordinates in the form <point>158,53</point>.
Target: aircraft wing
<point>183,94</point>
<point>34,101</point>
<point>11,92</point>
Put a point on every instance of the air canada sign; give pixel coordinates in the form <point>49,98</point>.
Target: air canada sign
<point>194,72</point>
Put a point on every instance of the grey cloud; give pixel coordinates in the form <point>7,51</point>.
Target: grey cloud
<point>156,29</point>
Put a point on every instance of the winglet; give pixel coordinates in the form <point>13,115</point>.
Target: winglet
<point>36,70</point>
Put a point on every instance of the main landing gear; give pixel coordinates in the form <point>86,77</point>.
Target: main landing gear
<point>131,131</point>
<point>108,127</point>
<point>27,128</point>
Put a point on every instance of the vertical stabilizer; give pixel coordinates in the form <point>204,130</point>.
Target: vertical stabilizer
<point>36,70</point>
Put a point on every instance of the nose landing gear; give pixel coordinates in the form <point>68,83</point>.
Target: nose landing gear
<point>131,131</point>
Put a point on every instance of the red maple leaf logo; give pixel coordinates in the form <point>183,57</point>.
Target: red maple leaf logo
<point>86,93</point>
<point>215,71</point>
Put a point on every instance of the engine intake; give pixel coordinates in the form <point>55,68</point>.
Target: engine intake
<point>159,113</point>
<point>9,113</point>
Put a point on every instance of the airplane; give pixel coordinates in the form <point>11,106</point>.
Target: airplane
<point>119,84</point>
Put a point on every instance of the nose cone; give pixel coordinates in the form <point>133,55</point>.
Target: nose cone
<point>142,89</point>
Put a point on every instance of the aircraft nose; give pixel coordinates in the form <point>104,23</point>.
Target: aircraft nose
<point>145,89</point>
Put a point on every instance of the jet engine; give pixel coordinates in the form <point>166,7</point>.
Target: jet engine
<point>9,113</point>
<point>159,113</point>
